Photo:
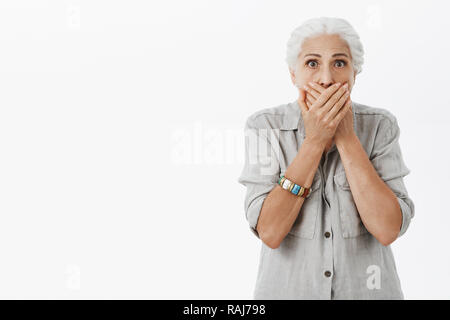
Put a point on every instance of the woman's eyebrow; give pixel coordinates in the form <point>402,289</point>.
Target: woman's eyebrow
<point>334,55</point>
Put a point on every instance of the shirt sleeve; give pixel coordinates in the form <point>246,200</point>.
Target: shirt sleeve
<point>261,169</point>
<point>388,161</point>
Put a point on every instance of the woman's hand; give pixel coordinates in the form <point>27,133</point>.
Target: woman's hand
<point>322,115</point>
<point>344,129</point>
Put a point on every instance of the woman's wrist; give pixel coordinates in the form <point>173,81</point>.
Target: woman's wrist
<point>316,144</point>
<point>302,169</point>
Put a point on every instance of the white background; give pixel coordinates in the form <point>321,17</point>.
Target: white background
<point>121,139</point>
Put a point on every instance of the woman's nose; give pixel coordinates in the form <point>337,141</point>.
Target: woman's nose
<point>326,79</point>
<point>326,84</point>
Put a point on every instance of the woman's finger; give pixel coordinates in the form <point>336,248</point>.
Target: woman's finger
<point>310,98</point>
<point>334,98</point>
<point>316,94</point>
<point>338,106</point>
<point>316,87</point>
<point>326,94</point>
<point>301,101</point>
<point>342,112</point>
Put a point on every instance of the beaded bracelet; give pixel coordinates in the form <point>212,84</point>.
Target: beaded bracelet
<point>293,187</point>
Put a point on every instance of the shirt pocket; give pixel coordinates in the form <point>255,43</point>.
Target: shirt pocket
<point>351,223</point>
<point>305,224</point>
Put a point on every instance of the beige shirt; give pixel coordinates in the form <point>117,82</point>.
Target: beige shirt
<point>328,254</point>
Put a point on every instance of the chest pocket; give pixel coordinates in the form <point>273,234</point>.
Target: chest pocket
<point>305,224</point>
<point>351,223</point>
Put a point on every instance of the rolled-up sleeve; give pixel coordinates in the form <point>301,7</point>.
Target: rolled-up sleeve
<point>261,169</point>
<point>388,161</point>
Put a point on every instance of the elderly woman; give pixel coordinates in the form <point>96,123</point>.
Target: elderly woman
<point>324,178</point>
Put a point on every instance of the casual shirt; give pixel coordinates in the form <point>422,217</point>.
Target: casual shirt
<point>328,253</point>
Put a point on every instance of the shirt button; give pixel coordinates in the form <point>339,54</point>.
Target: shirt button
<point>327,234</point>
<point>327,273</point>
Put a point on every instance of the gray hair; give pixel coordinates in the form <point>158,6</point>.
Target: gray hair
<point>330,25</point>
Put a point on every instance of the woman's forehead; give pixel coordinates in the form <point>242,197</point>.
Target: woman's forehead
<point>325,49</point>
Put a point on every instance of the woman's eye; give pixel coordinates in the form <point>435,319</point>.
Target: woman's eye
<point>343,63</point>
<point>338,63</point>
<point>311,63</point>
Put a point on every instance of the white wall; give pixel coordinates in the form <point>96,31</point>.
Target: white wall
<point>98,198</point>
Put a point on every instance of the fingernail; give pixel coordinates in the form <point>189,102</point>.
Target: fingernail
<point>305,87</point>
<point>346,85</point>
<point>337,84</point>
<point>311,83</point>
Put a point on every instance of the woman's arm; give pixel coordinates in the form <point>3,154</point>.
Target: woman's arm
<point>376,202</point>
<point>281,208</point>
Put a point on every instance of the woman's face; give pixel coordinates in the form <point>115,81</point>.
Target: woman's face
<point>324,59</point>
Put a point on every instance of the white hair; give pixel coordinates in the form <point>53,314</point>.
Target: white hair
<point>318,26</point>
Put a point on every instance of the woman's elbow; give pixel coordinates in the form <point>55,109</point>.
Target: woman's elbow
<point>270,239</point>
<point>387,239</point>
<point>270,243</point>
